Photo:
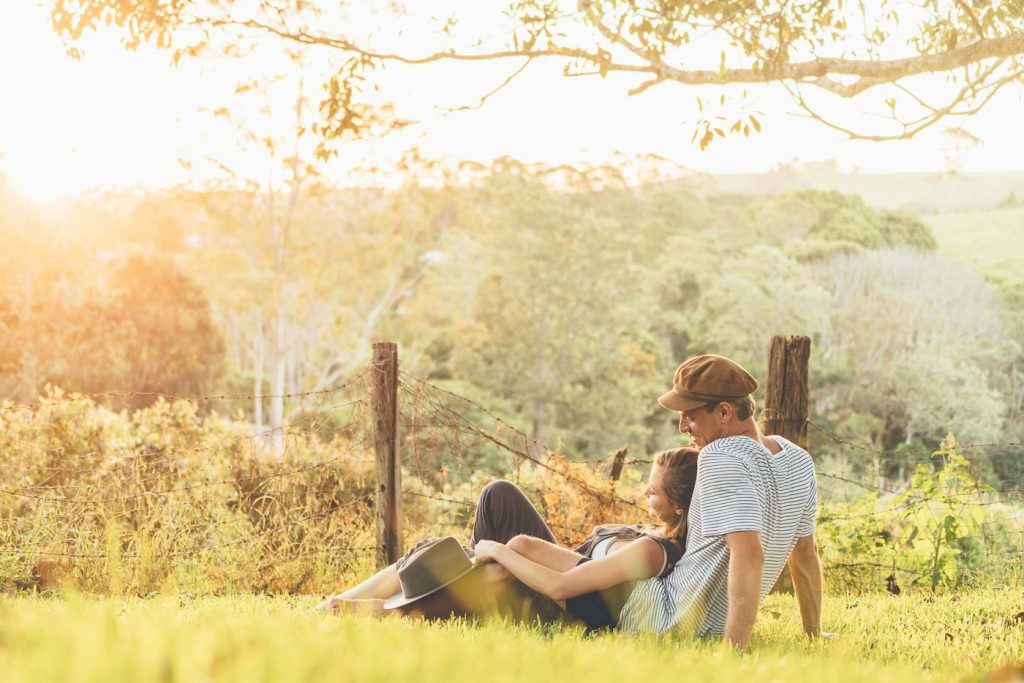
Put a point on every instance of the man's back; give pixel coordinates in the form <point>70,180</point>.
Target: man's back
<point>741,486</point>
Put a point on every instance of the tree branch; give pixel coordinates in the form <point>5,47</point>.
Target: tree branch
<point>815,71</point>
<point>912,128</point>
<point>484,98</point>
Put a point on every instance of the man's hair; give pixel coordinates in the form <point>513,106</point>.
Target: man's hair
<point>744,406</point>
<point>679,479</point>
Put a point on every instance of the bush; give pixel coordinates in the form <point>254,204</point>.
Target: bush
<point>165,499</point>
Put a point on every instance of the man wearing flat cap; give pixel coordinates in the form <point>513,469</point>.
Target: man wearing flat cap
<point>754,507</point>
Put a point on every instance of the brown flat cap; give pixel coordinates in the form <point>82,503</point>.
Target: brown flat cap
<point>703,379</point>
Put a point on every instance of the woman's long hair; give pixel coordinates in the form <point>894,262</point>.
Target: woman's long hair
<point>679,477</point>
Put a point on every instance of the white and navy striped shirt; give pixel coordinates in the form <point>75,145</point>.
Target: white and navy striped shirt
<point>741,486</point>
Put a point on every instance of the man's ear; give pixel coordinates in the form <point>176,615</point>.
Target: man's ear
<point>725,411</point>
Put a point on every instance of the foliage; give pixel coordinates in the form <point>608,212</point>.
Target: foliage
<point>542,323</point>
<point>166,499</point>
<point>896,353</point>
<point>135,323</point>
<point>947,529</point>
<point>846,218</point>
<point>944,507</point>
<point>794,47</point>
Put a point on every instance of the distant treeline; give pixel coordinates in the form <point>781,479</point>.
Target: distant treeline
<point>564,311</point>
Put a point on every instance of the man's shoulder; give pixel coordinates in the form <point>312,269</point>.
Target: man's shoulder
<point>732,447</point>
<point>793,453</point>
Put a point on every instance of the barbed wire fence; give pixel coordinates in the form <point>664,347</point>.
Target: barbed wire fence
<point>174,498</point>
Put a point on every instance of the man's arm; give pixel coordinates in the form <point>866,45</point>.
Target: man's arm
<point>746,563</point>
<point>805,568</point>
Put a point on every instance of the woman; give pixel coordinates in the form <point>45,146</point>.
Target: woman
<point>591,583</point>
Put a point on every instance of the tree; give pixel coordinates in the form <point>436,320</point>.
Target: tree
<point>922,342</point>
<point>840,50</point>
<point>522,305</point>
<point>132,324</point>
<point>290,274</point>
<point>147,329</point>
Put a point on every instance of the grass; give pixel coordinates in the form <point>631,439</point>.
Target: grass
<point>991,242</point>
<point>881,637</point>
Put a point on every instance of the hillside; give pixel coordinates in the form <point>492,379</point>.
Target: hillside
<point>992,242</point>
<point>925,193</point>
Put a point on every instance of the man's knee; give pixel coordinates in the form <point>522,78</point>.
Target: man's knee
<point>499,488</point>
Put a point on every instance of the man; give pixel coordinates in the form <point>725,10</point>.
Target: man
<point>754,506</point>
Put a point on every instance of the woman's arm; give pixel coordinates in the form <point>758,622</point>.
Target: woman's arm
<point>639,560</point>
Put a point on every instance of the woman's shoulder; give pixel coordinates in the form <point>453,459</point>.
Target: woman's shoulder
<point>671,550</point>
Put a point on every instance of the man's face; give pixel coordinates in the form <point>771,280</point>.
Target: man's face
<point>702,426</point>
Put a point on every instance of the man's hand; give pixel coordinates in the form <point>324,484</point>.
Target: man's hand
<point>746,563</point>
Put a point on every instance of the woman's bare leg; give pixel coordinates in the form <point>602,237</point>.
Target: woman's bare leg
<point>381,585</point>
<point>377,588</point>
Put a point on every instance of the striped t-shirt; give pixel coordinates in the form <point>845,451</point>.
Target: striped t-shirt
<point>741,486</point>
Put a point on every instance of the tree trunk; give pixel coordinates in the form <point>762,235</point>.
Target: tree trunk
<point>277,367</point>
<point>260,342</point>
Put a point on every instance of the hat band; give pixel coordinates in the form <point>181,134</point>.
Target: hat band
<point>707,398</point>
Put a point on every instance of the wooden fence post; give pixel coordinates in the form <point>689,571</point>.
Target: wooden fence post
<point>786,404</point>
<point>786,389</point>
<point>385,444</point>
<point>614,466</point>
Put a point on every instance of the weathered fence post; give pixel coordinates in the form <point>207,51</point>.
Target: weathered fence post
<point>614,466</point>
<point>385,444</point>
<point>786,404</point>
<point>786,389</point>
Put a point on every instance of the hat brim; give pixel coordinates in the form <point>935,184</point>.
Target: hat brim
<point>671,400</point>
<point>399,600</point>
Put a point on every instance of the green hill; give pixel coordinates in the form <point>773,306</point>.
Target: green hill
<point>992,242</point>
<point>925,193</point>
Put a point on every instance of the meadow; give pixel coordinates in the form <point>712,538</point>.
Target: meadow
<point>991,242</point>
<point>962,636</point>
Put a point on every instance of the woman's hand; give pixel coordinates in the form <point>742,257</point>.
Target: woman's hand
<point>486,551</point>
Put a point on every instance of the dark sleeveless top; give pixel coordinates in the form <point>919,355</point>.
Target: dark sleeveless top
<point>630,532</point>
<point>599,610</point>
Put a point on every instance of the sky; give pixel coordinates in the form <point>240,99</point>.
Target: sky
<point>118,119</point>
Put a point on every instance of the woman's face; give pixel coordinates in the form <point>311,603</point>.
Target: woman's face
<point>658,504</point>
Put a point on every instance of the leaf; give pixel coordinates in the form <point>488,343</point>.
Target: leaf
<point>755,123</point>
